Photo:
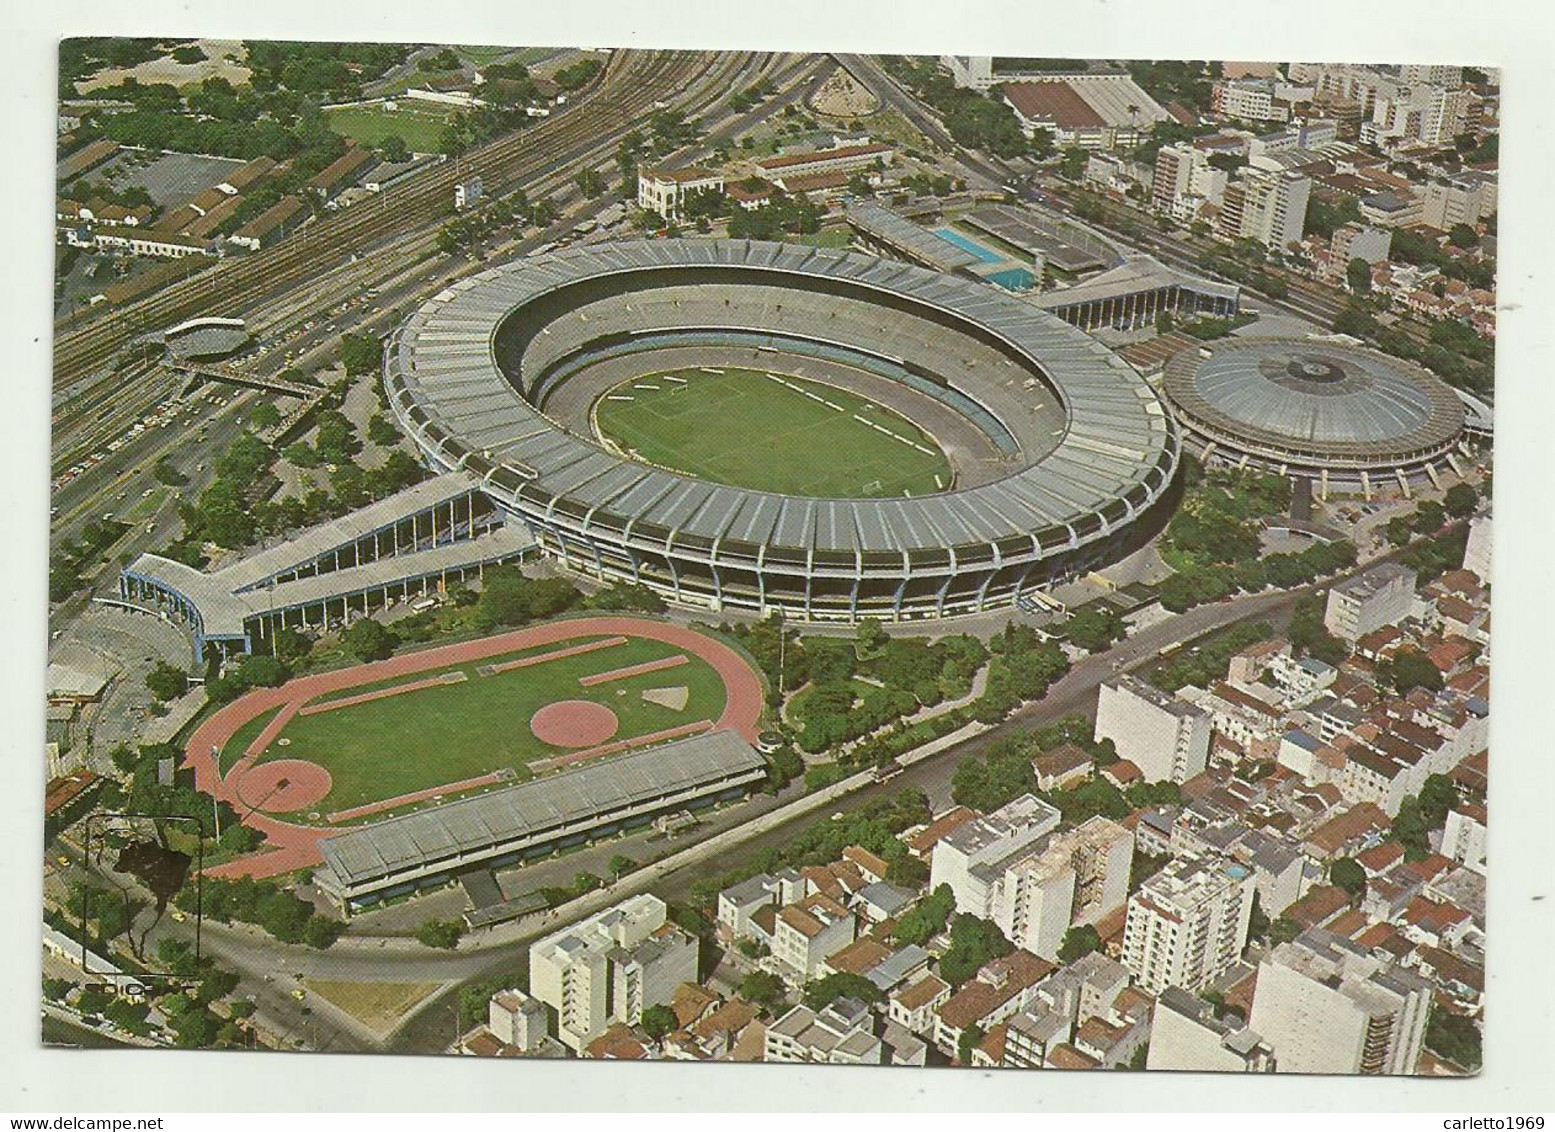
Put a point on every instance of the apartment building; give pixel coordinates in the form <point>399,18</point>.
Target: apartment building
<point>1267,205</point>
<point>807,932</point>
<point>1466,198</point>
<point>1076,877</point>
<point>842,1034</point>
<point>739,903</point>
<point>1188,923</point>
<point>1186,1035</point>
<point>962,858</point>
<point>1383,595</point>
<point>1325,1004</point>
<point>1185,182</point>
<point>611,967</point>
<point>518,1020</point>
<point>1166,737</point>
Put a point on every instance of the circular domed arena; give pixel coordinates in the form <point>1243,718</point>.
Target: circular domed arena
<point>1342,415</point>
<point>760,426</point>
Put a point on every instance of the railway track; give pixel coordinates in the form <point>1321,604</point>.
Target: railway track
<point>549,168</point>
<point>631,82</point>
<point>80,427</point>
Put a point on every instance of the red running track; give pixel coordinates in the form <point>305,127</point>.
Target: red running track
<point>294,846</point>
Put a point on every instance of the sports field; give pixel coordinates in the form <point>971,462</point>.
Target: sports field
<point>771,432</point>
<point>465,721</point>
<point>419,124</point>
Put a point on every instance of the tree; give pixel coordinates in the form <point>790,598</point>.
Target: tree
<point>973,942</point>
<point>1283,930</point>
<point>1462,236</point>
<point>393,148</point>
<point>971,1037</point>
<point>658,1021</point>
<point>1398,532</point>
<point>1411,668</point>
<point>927,918</point>
<point>167,682</point>
<point>1438,795</point>
<point>762,988</point>
<point>1079,941</point>
<point>620,865</point>
<point>1460,500</point>
<point>1348,874</point>
<point>1455,1037</point>
<point>1094,629</point>
<point>1429,516</point>
<point>381,431</point>
<point>369,640</point>
<point>1358,275</point>
<point>359,353</point>
<point>443,934</point>
<point>265,415</point>
<point>842,984</point>
<point>1409,829</point>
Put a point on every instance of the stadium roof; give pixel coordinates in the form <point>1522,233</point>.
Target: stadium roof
<point>912,239</point>
<point>1318,395</point>
<point>533,808</point>
<point>1058,240</point>
<point>1136,274</point>
<point>228,597</point>
<point>1118,441</point>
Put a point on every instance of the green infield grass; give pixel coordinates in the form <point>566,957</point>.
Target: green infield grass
<point>437,735</point>
<point>771,432</point>
<point>419,124</point>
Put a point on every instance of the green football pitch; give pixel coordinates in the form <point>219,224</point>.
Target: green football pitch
<point>771,432</point>
<point>437,735</point>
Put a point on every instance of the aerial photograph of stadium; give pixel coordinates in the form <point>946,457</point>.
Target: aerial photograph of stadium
<point>671,555</point>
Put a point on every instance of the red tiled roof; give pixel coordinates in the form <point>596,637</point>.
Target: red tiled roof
<point>1319,904</point>
<point>789,160</point>
<point>925,839</point>
<point>978,999</point>
<point>923,992</point>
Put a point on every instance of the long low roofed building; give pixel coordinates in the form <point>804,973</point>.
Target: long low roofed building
<point>410,541</point>
<point>399,854</point>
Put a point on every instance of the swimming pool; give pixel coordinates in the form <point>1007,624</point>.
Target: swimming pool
<point>967,244</point>
<point>1015,279</point>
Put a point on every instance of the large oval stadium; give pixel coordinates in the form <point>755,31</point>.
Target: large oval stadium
<point>762,426</point>
<point>1337,413</point>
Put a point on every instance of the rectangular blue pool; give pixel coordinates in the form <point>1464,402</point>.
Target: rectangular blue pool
<point>967,244</point>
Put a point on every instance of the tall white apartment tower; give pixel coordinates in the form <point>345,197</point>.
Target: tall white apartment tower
<point>1365,603</point>
<point>1188,923</point>
<point>1165,737</point>
<point>1326,1005</point>
<point>611,967</point>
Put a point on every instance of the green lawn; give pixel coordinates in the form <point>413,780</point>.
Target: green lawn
<point>826,238</point>
<point>242,737</point>
<point>742,428</point>
<point>420,124</point>
<point>434,736</point>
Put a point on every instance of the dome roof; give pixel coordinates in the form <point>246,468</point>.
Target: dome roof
<point>1314,398</point>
